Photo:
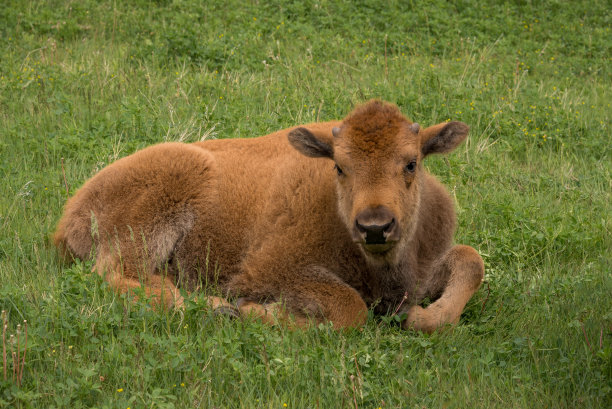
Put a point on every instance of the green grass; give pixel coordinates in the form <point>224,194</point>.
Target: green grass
<point>84,83</point>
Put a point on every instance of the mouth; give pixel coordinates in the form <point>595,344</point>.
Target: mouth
<point>378,248</point>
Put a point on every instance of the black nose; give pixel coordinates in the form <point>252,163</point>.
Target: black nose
<point>376,225</point>
<point>375,233</point>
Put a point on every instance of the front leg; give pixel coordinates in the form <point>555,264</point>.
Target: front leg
<point>300,298</point>
<point>465,270</point>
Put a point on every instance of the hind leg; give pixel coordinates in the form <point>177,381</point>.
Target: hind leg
<point>158,287</point>
<point>126,274</point>
<point>162,292</point>
<point>465,269</point>
<point>133,214</point>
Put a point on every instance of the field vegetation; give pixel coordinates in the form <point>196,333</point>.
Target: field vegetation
<point>83,83</point>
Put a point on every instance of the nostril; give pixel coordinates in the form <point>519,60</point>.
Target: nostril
<point>375,233</point>
<point>389,226</point>
<point>359,227</point>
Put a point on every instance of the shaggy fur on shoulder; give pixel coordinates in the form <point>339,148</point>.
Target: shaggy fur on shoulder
<point>309,224</point>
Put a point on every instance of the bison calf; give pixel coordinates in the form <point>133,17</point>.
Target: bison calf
<point>309,224</point>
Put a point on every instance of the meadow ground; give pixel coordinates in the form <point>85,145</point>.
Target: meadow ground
<point>84,83</point>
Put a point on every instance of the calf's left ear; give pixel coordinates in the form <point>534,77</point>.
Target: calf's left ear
<point>443,138</point>
<point>308,144</point>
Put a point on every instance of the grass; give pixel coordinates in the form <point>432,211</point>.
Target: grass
<point>84,83</point>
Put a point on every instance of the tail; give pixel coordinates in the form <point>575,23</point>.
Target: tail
<point>73,237</point>
<point>59,240</point>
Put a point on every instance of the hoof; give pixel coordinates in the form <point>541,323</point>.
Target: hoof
<point>228,311</point>
<point>418,319</point>
<point>426,320</point>
<point>220,306</point>
<point>241,301</point>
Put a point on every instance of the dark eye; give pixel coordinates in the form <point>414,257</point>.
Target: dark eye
<point>411,167</point>
<point>340,172</point>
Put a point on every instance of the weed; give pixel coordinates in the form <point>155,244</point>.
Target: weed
<point>17,351</point>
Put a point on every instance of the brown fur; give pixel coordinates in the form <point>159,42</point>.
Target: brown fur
<point>295,239</point>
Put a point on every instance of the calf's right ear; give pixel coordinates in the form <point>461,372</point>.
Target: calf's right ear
<point>307,144</point>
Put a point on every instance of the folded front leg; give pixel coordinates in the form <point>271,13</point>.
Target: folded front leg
<point>465,269</point>
<point>313,295</point>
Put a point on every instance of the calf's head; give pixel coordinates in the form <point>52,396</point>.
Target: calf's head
<point>377,155</point>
